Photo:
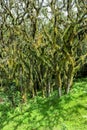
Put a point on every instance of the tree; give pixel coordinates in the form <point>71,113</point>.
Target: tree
<point>43,45</point>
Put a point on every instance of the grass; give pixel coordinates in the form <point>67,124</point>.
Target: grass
<point>67,113</point>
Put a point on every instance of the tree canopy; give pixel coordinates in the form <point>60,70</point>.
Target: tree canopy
<point>43,44</point>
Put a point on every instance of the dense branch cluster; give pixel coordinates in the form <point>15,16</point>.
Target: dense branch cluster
<point>42,46</point>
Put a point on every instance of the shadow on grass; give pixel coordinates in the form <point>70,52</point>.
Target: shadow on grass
<point>41,113</point>
<point>4,114</point>
<point>49,110</point>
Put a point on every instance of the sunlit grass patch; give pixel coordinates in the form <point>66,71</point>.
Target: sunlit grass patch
<point>66,113</point>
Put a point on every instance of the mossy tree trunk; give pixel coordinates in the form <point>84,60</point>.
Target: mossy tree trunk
<point>70,77</point>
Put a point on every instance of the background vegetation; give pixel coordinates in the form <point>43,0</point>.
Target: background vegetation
<point>43,44</point>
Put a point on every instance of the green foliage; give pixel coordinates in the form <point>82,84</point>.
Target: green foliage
<point>42,46</point>
<point>66,113</point>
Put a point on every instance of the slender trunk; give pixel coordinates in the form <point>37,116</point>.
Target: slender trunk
<point>70,79</point>
<point>68,89</point>
<point>48,89</point>
<point>35,90</point>
<point>33,93</point>
<point>32,82</point>
<point>59,84</point>
<point>59,91</point>
<point>44,92</point>
<point>51,89</point>
<point>21,82</point>
<point>24,96</point>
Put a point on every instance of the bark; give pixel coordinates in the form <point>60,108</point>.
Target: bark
<point>44,92</point>
<point>24,96</point>
<point>70,82</point>
<point>70,79</point>
<point>59,91</point>
<point>48,90</point>
<point>51,89</point>
<point>33,93</point>
<point>59,84</point>
<point>35,90</point>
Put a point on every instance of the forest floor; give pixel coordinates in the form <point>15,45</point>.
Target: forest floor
<point>67,113</point>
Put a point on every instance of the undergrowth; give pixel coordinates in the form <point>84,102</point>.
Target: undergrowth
<point>67,113</point>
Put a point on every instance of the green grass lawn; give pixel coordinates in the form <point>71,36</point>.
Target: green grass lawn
<point>67,113</point>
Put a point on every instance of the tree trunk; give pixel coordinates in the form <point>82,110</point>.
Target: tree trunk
<point>33,93</point>
<point>24,95</point>
<point>70,79</point>
<point>48,89</point>
<point>35,90</point>
<point>51,89</point>
<point>59,91</point>
<point>44,92</point>
<point>70,82</point>
<point>59,84</point>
